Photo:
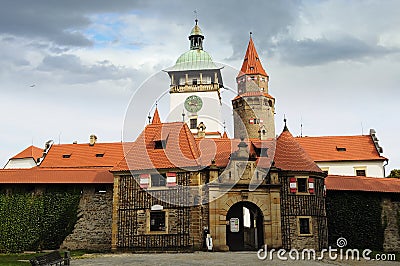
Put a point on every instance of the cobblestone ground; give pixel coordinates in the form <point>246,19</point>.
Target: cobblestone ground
<point>204,258</point>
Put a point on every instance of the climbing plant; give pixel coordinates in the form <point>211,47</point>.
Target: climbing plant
<point>355,216</point>
<point>34,222</point>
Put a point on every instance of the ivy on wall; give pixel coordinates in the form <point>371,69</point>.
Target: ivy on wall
<point>35,222</point>
<point>355,216</point>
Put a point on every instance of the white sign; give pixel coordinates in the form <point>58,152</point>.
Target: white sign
<point>156,207</point>
<point>234,224</point>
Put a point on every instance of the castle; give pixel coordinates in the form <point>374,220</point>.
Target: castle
<point>180,181</point>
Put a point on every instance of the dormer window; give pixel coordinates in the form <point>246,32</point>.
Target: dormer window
<point>160,144</point>
<point>340,148</point>
<point>66,155</point>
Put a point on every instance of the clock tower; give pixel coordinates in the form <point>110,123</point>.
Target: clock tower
<point>195,87</point>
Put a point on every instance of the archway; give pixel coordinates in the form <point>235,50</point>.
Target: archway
<point>244,229</point>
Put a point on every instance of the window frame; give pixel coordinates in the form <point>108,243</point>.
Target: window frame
<point>192,121</point>
<point>148,222</point>
<point>160,178</point>
<point>305,179</point>
<point>360,168</point>
<point>299,226</point>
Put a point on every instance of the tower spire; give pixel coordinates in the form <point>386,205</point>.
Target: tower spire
<point>251,63</point>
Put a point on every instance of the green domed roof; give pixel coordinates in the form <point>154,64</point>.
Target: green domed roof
<point>194,60</point>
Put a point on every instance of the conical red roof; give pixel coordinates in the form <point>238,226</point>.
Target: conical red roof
<point>156,117</point>
<point>251,63</point>
<point>290,156</point>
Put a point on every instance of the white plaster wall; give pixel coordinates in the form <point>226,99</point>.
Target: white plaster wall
<point>373,168</point>
<point>20,163</point>
<point>210,113</point>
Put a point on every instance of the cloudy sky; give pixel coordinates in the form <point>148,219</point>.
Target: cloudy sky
<point>68,69</point>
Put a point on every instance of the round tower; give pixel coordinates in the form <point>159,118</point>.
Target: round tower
<point>253,107</point>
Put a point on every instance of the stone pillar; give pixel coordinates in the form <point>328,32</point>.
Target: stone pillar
<point>276,229</point>
<point>114,228</point>
<point>217,221</point>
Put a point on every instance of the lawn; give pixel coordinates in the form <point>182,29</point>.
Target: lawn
<point>23,258</point>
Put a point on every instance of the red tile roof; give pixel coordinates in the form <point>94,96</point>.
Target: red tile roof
<point>180,150</point>
<point>289,155</point>
<point>156,117</point>
<point>358,148</point>
<point>55,176</point>
<point>253,94</point>
<point>83,155</point>
<point>30,152</point>
<point>221,149</point>
<point>251,63</point>
<point>360,183</point>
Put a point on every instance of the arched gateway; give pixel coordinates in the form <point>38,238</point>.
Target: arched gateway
<point>244,229</point>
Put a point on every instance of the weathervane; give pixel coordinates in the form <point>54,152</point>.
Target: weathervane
<point>195,16</point>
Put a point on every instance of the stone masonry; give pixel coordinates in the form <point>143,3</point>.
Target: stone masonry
<point>93,229</point>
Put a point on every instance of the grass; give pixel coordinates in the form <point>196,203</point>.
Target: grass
<point>23,258</point>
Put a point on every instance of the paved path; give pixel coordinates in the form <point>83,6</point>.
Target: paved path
<point>203,258</point>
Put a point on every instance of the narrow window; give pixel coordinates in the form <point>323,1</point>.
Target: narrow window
<point>157,221</point>
<point>360,173</point>
<point>304,226</point>
<point>193,123</point>
<point>302,185</point>
<point>194,81</point>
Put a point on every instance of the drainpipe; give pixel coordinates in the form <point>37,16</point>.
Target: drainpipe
<point>384,169</point>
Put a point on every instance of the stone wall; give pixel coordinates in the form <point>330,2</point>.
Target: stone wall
<point>93,229</point>
<point>390,218</point>
<point>302,242</point>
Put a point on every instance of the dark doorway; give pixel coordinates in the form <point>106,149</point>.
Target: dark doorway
<point>244,229</point>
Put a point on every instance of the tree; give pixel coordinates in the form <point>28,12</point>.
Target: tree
<point>395,173</point>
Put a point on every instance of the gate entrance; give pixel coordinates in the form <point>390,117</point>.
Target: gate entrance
<point>244,229</point>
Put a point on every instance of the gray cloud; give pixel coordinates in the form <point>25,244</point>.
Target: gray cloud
<point>55,21</point>
<point>323,50</point>
<point>71,69</point>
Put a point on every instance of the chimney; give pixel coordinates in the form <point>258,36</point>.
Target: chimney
<point>201,130</point>
<point>92,140</point>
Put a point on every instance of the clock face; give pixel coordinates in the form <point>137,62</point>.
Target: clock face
<point>193,103</point>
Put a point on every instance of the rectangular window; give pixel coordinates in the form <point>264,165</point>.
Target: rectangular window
<point>194,81</point>
<point>360,173</point>
<point>302,185</point>
<point>304,226</point>
<point>158,180</point>
<point>157,221</point>
<point>193,123</point>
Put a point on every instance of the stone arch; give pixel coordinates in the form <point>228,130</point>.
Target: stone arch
<point>233,200</point>
<point>245,226</point>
